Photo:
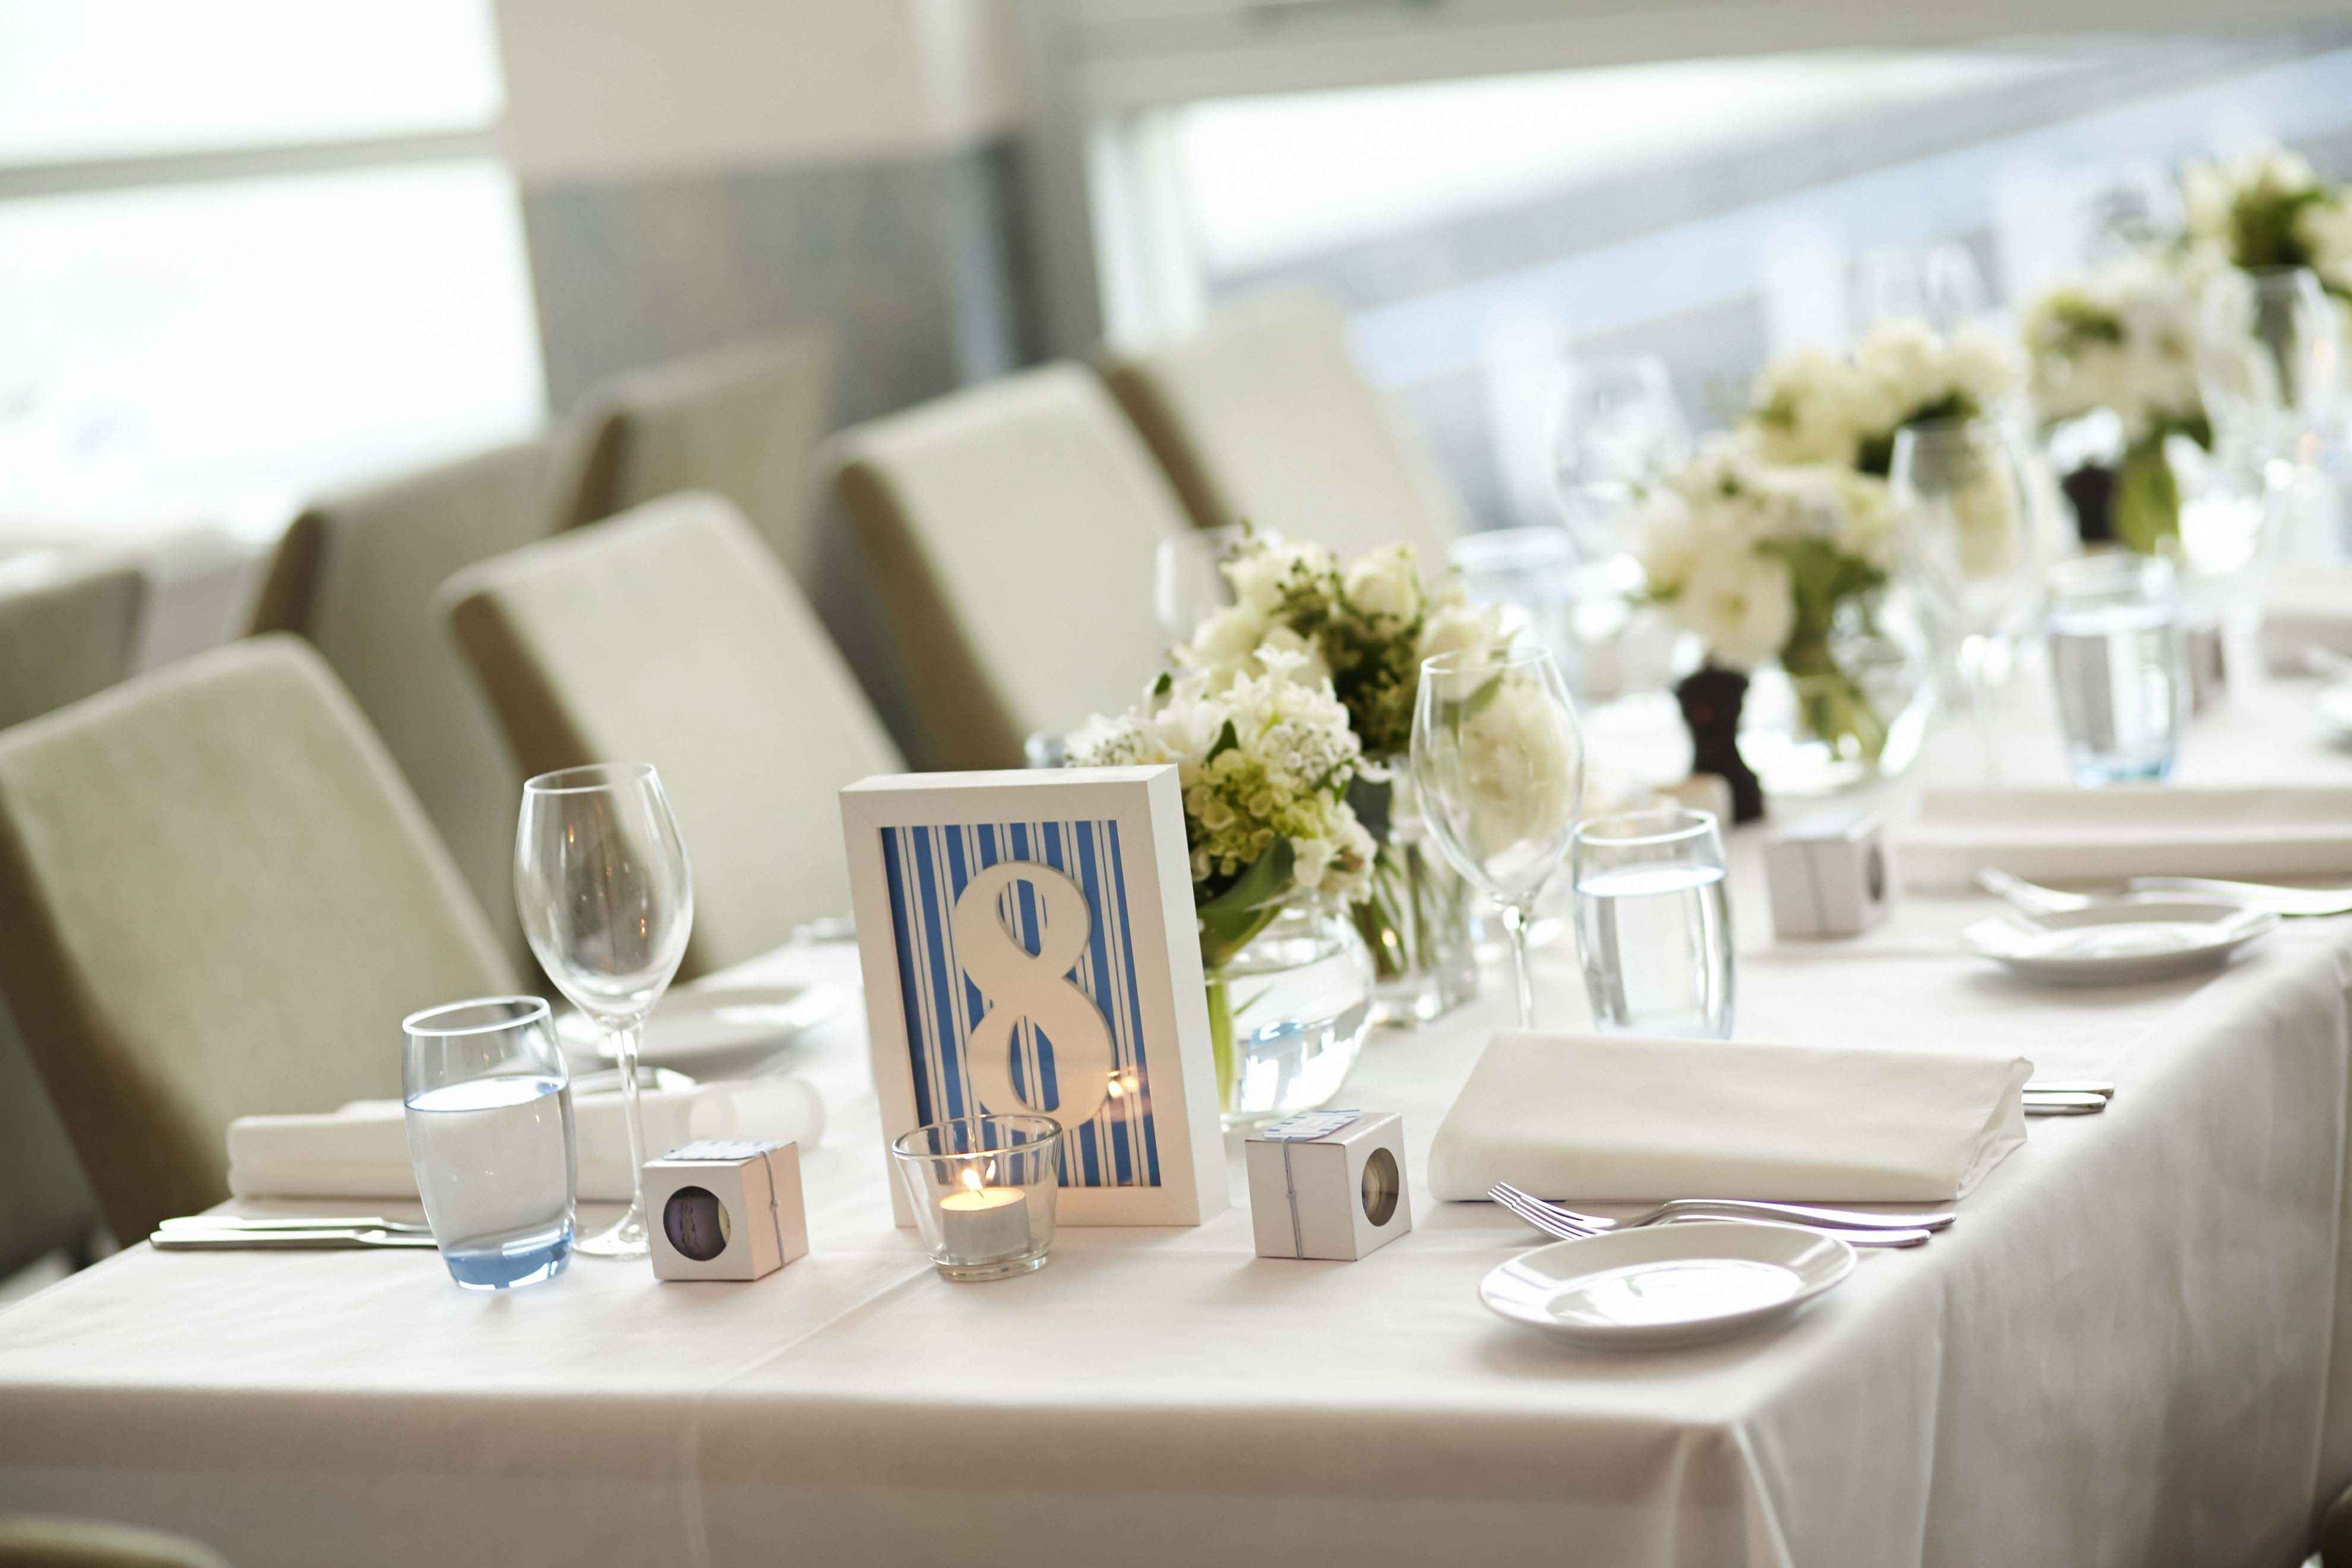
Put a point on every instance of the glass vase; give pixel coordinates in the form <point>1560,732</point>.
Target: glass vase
<point>1850,707</point>
<point>1288,1012</point>
<point>1415,919</point>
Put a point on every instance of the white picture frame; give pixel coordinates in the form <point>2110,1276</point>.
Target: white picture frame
<point>1098,849</point>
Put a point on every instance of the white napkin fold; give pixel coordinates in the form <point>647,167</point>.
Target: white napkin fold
<point>362,1150</point>
<point>2177,830</point>
<point>1611,1117</point>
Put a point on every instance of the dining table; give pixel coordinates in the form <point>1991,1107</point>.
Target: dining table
<point>2134,1346</point>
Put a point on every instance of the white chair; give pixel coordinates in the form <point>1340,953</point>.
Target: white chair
<point>1262,416</point>
<point>671,635</point>
<point>1011,530</point>
<point>356,573</point>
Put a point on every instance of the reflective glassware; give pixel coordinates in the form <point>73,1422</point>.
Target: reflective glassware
<point>1652,923</point>
<point>1499,760</point>
<point>1938,284</point>
<point>983,1189</point>
<point>1972,543</point>
<point>1188,584</point>
<point>607,900</point>
<point>488,1108</point>
<point>2270,362</point>
<point>1615,428</point>
<point>2119,666</point>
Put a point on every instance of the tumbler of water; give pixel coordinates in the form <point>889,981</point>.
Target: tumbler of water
<point>2118,659</point>
<point>490,1135</point>
<point>1653,924</point>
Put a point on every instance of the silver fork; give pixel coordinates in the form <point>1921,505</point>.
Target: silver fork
<point>1552,1220</point>
<point>1715,1208</point>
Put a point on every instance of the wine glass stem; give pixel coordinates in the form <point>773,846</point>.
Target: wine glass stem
<point>624,1051</point>
<point>1976,674</point>
<point>1514,921</point>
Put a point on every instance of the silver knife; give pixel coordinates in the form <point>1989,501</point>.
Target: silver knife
<point>2099,1087</point>
<point>296,1222</point>
<point>189,1238</point>
<point>2064,1104</point>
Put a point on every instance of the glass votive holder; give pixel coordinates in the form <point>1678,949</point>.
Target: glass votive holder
<point>983,1190</point>
<point>2118,664</point>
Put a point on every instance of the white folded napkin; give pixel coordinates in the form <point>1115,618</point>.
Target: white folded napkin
<point>1611,1117</point>
<point>2174,830</point>
<point>362,1150</point>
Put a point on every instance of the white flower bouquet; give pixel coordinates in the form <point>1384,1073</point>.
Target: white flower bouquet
<point>1765,561</point>
<point>2124,340</point>
<point>1818,408</point>
<point>2270,208</point>
<point>1365,624</point>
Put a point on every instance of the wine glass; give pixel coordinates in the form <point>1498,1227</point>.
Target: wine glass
<point>1499,761</point>
<point>1615,426</point>
<point>1188,579</point>
<point>1969,537</point>
<point>2270,360</point>
<point>607,898</point>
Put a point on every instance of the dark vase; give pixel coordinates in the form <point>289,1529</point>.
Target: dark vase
<point>2091,489</point>
<point>1710,698</point>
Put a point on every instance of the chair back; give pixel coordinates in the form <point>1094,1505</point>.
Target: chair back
<point>356,573</point>
<point>671,635</point>
<point>1262,416</point>
<point>1011,529</point>
<point>743,422</point>
<point>221,899</point>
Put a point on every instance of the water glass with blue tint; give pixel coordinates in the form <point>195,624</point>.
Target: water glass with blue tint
<point>2118,660</point>
<point>490,1135</point>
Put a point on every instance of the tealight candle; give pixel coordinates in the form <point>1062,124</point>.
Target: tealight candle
<point>981,1224</point>
<point>981,1189</point>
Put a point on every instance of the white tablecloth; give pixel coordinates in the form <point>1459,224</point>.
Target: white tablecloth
<point>2125,1352</point>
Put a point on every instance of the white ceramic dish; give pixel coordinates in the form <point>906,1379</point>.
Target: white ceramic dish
<point>697,1028</point>
<point>2120,942</point>
<point>1667,1285</point>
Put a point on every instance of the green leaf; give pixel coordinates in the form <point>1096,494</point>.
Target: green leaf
<point>1234,918</point>
<point>1164,685</point>
<point>2147,499</point>
<point>1456,713</point>
<point>1228,740</point>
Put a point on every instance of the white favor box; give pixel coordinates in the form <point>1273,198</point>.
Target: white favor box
<point>1329,1183</point>
<point>725,1209</point>
<point>1829,875</point>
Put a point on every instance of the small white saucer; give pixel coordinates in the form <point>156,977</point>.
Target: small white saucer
<point>1667,1285</point>
<point>2121,941</point>
<point>700,1027</point>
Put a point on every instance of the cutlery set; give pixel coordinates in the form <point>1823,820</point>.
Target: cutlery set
<point>223,1232</point>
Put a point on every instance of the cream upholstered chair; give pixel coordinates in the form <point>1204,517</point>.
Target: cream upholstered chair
<point>28,1541</point>
<point>1262,416</point>
<point>220,898</point>
<point>670,635</point>
<point>356,573</point>
<point>68,628</point>
<point>1011,529</point>
<point>744,422</point>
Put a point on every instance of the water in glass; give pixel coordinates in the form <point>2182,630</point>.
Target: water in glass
<point>2119,664</point>
<point>1652,923</point>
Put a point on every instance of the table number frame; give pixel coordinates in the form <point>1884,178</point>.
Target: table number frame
<point>1017,928</point>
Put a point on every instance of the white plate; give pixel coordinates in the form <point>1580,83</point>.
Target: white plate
<point>699,1027</point>
<point>2119,942</point>
<point>1666,1284</point>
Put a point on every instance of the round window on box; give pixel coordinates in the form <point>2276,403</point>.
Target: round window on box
<point>1381,1187</point>
<point>696,1224</point>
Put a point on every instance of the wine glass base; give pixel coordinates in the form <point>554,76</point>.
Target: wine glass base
<point>625,1239</point>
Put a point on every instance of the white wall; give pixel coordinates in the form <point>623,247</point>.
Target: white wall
<point>597,89</point>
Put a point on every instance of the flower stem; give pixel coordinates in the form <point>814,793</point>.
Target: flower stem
<point>1221,1038</point>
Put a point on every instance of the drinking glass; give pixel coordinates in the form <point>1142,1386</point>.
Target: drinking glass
<point>1499,760</point>
<point>607,898</point>
<point>1652,923</point>
<point>1970,538</point>
<point>2270,360</point>
<point>983,1190</point>
<point>1188,580</point>
<point>2118,660</point>
<point>1615,427</point>
<point>488,1107</point>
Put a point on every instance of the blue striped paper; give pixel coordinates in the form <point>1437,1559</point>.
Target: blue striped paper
<point>927,869</point>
